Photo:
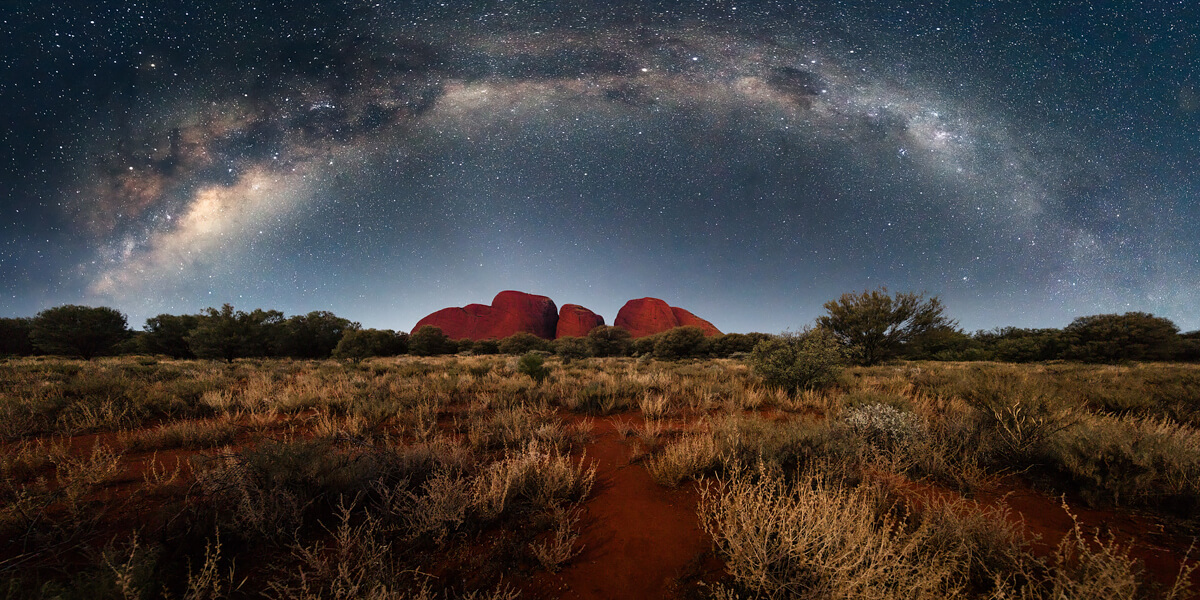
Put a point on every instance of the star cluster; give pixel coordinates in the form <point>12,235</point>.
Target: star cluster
<point>1029,162</point>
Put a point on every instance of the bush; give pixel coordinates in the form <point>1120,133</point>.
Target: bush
<point>725,346</point>
<point>358,344</point>
<point>14,336</point>
<point>167,334</point>
<point>645,345</point>
<point>523,342</point>
<point>679,342</point>
<point>228,335</point>
<point>533,365</point>
<point>819,540</point>
<point>314,335</point>
<point>571,348</point>
<point>606,340</point>
<point>808,360</point>
<point>430,341</point>
<point>488,346</point>
<point>1114,338</point>
<point>78,330</point>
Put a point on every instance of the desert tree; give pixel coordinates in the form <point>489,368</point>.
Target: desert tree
<point>228,334</point>
<point>313,335</point>
<point>608,340</point>
<point>679,342</point>
<point>876,325</point>
<point>523,342</point>
<point>167,334</point>
<point>570,348</point>
<point>430,341</point>
<point>14,336</point>
<point>1114,338</point>
<point>357,344</point>
<point>78,330</point>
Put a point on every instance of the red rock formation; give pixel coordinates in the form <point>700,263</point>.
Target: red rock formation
<point>686,318</point>
<point>575,320</point>
<point>509,313</point>
<point>648,316</point>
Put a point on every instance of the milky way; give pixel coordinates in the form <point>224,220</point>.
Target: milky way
<point>1029,163</point>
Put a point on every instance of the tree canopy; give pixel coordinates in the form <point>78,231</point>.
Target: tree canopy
<point>78,330</point>
<point>875,324</point>
<point>227,334</point>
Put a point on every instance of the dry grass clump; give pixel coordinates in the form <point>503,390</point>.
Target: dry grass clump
<point>817,537</point>
<point>540,476</point>
<point>1130,461</point>
<point>688,457</point>
<point>184,434</point>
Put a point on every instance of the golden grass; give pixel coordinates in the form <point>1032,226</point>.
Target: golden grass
<point>429,451</point>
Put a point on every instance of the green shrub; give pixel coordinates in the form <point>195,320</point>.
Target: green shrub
<point>78,330</point>
<point>533,365</point>
<point>680,342</point>
<point>430,341</point>
<point>523,342</point>
<point>358,344</point>
<point>808,360</point>
<point>571,348</point>
<point>606,340</point>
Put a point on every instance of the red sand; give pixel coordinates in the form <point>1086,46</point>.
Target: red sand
<point>638,537</point>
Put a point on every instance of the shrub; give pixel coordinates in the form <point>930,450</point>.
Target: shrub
<point>430,341</point>
<point>314,335</point>
<point>523,342</point>
<point>679,342</point>
<point>808,360</point>
<point>644,345</point>
<point>488,346</point>
<point>725,346</point>
<point>882,425</point>
<point>78,330</point>
<point>818,540</point>
<point>1113,338</point>
<point>226,334</point>
<point>606,340</point>
<point>14,336</point>
<point>571,348</point>
<point>533,365</point>
<point>357,344</point>
<point>167,334</point>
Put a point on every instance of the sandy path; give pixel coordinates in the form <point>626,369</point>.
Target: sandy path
<point>638,537</point>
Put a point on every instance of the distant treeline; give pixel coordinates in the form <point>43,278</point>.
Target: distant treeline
<point>1133,336</point>
<point>227,334</point>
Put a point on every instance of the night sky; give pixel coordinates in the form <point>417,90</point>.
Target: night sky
<point>1028,162</point>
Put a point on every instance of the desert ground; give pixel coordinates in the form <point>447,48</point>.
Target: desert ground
<point>461,477</point>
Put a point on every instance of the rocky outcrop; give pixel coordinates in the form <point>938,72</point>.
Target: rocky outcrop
<point>509,313</point>
<point>576,321</point>
<point>686,318</point>
<point>648,316</point>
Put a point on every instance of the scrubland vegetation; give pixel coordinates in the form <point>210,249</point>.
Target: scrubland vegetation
<point>233,454</point>
<point>465,476</point>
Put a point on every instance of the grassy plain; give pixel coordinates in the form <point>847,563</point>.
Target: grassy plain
<point>405,477</point>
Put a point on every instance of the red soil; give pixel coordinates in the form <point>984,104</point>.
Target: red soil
<point>638,537</point>
<point>1045,522</point>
